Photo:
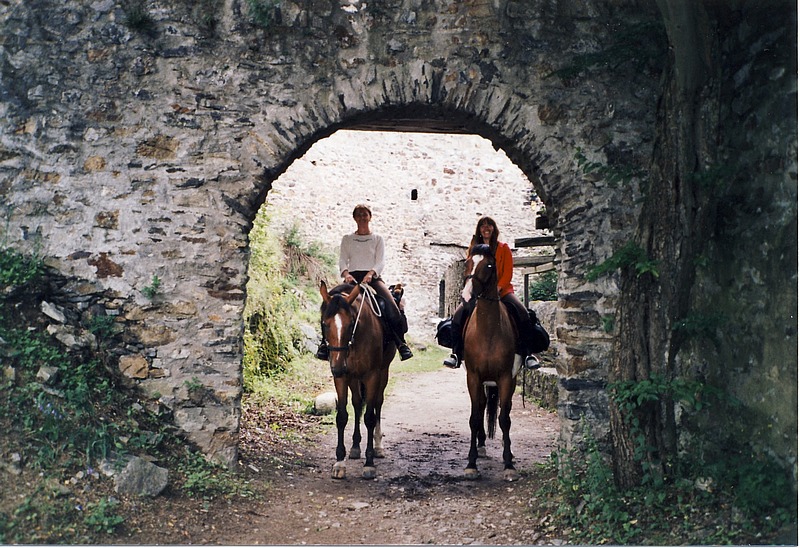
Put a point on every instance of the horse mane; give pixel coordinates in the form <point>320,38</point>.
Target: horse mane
<point>338,300</point>
<point>333,306</point>
<point>480,249</point>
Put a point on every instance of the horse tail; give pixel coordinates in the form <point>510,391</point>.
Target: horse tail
<point>492,398</point>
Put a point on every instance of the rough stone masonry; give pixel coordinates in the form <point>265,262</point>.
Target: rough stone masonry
<point>133,148</point>
<point>135,152</point>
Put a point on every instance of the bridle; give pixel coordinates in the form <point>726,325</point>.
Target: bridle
<point>484,285</point>
<point>368,294</point>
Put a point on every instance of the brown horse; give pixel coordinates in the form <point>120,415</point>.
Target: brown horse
<point>359,360</point>
<point>489,342</point>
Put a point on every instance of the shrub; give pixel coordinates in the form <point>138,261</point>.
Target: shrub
<point>543,287</point>
<point>281,296</point>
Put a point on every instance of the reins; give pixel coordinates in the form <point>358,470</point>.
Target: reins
<point>368,294</point>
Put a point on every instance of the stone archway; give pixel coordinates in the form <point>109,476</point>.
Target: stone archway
<point>132,155</point>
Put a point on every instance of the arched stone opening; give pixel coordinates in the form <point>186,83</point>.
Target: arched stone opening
<point>581,338</point>
<point>142,156</point>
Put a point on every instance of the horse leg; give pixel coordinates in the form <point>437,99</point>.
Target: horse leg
<point>478,399</point>
<point>369,471</point>
<point>358,402</point>
<point>506,393</point>
<point>339,470</point>
<point>378,435</point>
<point>482,429</point>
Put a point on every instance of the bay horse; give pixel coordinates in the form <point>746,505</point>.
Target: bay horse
<point>490,338</point>
<point>359,360</point>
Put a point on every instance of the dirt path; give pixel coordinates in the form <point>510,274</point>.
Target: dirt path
<point>418,497</point>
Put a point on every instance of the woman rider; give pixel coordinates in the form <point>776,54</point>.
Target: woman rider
<point>486,232</point>
<point>361,260</point>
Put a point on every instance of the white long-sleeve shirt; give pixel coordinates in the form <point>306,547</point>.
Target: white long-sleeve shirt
<point>359,252</point>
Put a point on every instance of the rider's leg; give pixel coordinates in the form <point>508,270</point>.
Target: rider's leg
<point>394,319</point>
<point>322,349</point>
<point>454,360</point>
<point>524,328</point>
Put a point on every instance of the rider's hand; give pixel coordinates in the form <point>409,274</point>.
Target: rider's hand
<point>368,278</point>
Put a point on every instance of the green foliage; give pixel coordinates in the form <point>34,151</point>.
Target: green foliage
<point>613,175</point>
<point>589,503</point>
<point>150,291</point>
<point>193,384</point>
<point>759,485</point>
<point>102,327</point>
<point>64,412</point>
<point>210,480</point>
<point>756,484</point>
<point>17,269</point>
<point>262,12</point>
<point>281,296</point>
<point>719,501</point>
<point>631,395</point>
<point>58,418</point>
<point>101,518</point>
<point>629,256</point>
<point>543,287</point>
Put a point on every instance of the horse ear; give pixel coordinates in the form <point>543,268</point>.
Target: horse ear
<point>323,290</point>
<point>353,294</point>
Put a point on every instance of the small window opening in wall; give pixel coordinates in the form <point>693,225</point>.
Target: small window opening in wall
<point>413,195</point>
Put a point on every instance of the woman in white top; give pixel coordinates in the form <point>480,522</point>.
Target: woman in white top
<point>361,261</point>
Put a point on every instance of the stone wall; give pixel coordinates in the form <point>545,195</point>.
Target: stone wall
<point>132,151</point>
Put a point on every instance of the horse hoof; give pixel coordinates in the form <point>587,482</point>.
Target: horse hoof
<point>472,473</point>
<point>510,475</point>
<point>339,471</point>
<point>355,453</point>
<point>481,452</point>
<point>379,453</point>
<point>369,472</point>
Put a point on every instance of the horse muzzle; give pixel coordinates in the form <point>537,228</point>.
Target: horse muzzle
<point>339,363</point>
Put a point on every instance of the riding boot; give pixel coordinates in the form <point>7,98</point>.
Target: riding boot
<point>526,344</point>
<point>402,346</point>
<point>322,350</point>
<point>397,327</point>
<point>454,360</point>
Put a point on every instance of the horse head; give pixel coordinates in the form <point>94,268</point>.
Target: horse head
<point>481,269</point>
<point>338,326</point>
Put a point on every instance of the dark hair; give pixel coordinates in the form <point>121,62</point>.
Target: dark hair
<point>362,206</point>
<point>478,239</point>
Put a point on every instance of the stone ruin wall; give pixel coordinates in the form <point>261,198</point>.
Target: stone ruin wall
<point>128,154</point>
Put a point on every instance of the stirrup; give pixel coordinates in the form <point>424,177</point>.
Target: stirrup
<point>452,362</point>
<point>532,362</point>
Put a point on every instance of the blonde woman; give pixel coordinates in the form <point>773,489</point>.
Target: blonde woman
<point>361,261</point>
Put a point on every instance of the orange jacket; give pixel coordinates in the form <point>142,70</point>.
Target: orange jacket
<point>505,269</point>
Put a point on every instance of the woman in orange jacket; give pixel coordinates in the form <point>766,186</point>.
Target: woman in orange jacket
<point>486,232</point>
